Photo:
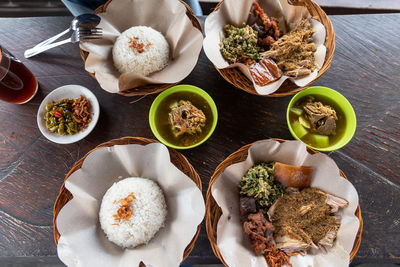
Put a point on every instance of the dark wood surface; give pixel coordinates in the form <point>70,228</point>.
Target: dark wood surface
<point>365,69</point>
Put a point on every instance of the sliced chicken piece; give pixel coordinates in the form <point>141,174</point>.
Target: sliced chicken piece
<point>327,241</point>
<point>290,245</point>
<point>296,240</point>
<point>336,202</point>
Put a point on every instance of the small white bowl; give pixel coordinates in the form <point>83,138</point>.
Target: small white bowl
<point>68,91</point>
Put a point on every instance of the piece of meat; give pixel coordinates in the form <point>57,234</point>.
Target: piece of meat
<point>293,176</point>
<point>247,205</point>
<point>264,72</point>
<point>333,201</point>
<point>336,202</point>
<point>298,72</point>
<point>327,126</point>
<point>322,117</point>
<point>259,231</point>
<point>267,27</point>
<point>295,240</point>
<point>327,241</point>
<point>290,245</point>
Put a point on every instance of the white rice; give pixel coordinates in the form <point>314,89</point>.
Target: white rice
<point>149,212</point>
<point>154,58</point>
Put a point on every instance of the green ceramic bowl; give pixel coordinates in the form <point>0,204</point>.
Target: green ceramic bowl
<point>340,101</point>
<point>175,89</point>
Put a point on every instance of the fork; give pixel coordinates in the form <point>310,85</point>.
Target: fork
<point>80,34</point>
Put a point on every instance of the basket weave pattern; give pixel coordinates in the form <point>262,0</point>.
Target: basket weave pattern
<point>150,88</point>
<point>213,211</point>
<point>176,158</point>
<point>239,80</point>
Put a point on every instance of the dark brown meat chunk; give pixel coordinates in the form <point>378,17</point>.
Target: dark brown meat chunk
<point>322,117</point>
<point>259,231</point>
<point>246,207</point>
<point>267,27</point>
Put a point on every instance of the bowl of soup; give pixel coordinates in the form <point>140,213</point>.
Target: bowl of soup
<point>321,118</point>
<point>183,116</point>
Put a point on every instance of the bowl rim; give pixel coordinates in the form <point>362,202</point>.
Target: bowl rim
<point>175,89</point>
<point>340,100</point>
<point>52,96</point>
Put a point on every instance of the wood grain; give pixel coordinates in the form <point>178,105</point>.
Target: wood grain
<point>364,69</point>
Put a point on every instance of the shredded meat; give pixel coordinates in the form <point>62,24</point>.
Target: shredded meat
<point>259,231</point>
<point>294,52</point>
<point>125,210</point>
<point>267,27</point>
<point>276,257</point>
<point>81,111</point>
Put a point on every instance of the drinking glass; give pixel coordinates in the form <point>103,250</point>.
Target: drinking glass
<point>17,83</point>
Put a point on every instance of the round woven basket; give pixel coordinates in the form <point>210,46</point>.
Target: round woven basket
<point>213,211</point>
<point>176,158</point>
<point>150,88</point>
<point>239,80</point>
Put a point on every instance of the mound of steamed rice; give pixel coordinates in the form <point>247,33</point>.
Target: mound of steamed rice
<point>142,50</point>
<point>148,216</point>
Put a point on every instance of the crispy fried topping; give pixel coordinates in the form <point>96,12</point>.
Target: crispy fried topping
<point>276,257</point>
<point>135,44</point>
<point>125,210</point>
<point>81,111</point>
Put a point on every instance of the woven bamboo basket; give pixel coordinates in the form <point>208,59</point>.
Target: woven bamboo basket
<point>177,159</point>
<point>150,88</point>
<point>213,211</point>
<point>239,80</point>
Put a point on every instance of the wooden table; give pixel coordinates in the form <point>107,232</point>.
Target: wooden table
<point>365,69</point>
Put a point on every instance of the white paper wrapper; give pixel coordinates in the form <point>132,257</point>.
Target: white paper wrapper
<point>234,247</point>
<point>168,17</point>
<point>82,241</point>
<point>237,12</point>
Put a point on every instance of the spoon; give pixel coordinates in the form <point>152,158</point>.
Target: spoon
<point>88,21</point>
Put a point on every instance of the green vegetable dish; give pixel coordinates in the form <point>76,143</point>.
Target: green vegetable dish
<point>59,118</point>
<point>68,116</point>
<point>240,44</point>
<point>259,183</point>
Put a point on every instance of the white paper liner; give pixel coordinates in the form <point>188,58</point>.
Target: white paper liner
<point>237,12</point>
<point>235,248</point>
<point>82,241</point>
<point>168,17</point>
